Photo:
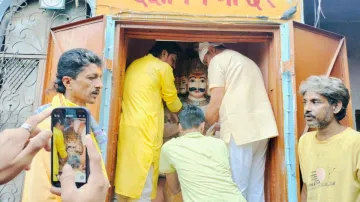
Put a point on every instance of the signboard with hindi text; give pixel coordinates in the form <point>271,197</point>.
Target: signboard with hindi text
<point>217,10</point>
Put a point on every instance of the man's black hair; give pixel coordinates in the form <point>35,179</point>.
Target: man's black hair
<point>170,46</point>
<point>71,63</point>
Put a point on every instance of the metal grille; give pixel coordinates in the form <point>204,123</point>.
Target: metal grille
<point>18,78</point>
<point>18,70</point>
<point>23,45</point>
<point>17,81</point>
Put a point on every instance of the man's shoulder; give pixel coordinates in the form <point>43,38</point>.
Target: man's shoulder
<point>353,136</point>
<point>155,62</point>
<point>353,133</point>
<point>351,140</point>
<point>227,53</point>
<point>145,60</point>
<point>306,137</point>
<point>214,143</point>
<point>232,54</point>
<point>235,59</point>
<point>167,145</point>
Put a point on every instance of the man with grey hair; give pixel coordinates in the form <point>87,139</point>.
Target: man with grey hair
<point>239,101</point>
<point>329,156</point>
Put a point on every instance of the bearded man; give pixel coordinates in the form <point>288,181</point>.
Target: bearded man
<point>330,155</point>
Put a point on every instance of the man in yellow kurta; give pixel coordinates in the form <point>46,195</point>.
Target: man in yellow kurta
<point>78,83</point>
<point>59,149</point>
<point>148,81</point>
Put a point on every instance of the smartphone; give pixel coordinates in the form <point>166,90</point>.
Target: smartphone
<point>69,125</point>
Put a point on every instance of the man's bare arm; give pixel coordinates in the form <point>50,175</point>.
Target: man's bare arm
<point>173,182</point>
<point>171,130</point>
<point>303,197</point>
<point>212,110</point>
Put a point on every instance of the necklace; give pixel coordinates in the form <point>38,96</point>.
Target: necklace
<point>197,102</point>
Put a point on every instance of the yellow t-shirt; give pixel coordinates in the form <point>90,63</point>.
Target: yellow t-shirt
<point>203,168</point>
<point>330,168</point>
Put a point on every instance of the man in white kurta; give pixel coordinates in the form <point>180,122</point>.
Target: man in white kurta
<point>239,101</point>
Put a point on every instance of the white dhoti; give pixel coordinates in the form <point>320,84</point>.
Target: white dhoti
<point>247,166</point>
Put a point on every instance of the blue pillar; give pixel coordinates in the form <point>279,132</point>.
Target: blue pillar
<point>107,80</point>
<point>289,116</point>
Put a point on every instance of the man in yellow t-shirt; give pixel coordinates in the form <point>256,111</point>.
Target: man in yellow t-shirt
<point>330,156</point>
<point>196,164</point>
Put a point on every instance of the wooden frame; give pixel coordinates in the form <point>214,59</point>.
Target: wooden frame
<point>96,34</point>
<point>334,62</point>
<point>270,34</point>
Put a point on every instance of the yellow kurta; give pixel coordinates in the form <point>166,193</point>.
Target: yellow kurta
<point>37,181</point>
<point>148,81</point>
<point>58,150</point>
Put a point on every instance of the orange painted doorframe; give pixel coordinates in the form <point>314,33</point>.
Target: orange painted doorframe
<point>125,30</point>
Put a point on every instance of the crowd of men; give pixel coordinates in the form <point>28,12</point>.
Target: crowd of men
<point>202,168</point>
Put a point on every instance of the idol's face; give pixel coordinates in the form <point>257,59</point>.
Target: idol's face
<point>197,84</point>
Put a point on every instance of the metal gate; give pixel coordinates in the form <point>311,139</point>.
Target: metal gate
<point>23,43</point>
<point>17,98</point>
<point>17,90</point>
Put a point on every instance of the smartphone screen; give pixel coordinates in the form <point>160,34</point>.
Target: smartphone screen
<point>69,127</point>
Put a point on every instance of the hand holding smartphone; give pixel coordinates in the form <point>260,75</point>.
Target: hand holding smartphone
<point>69,126</point>
<point>98,184</point>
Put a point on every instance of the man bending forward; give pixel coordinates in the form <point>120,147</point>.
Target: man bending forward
<point>198,165</point>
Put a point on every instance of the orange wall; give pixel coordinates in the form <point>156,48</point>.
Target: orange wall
<point>232,9</point>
